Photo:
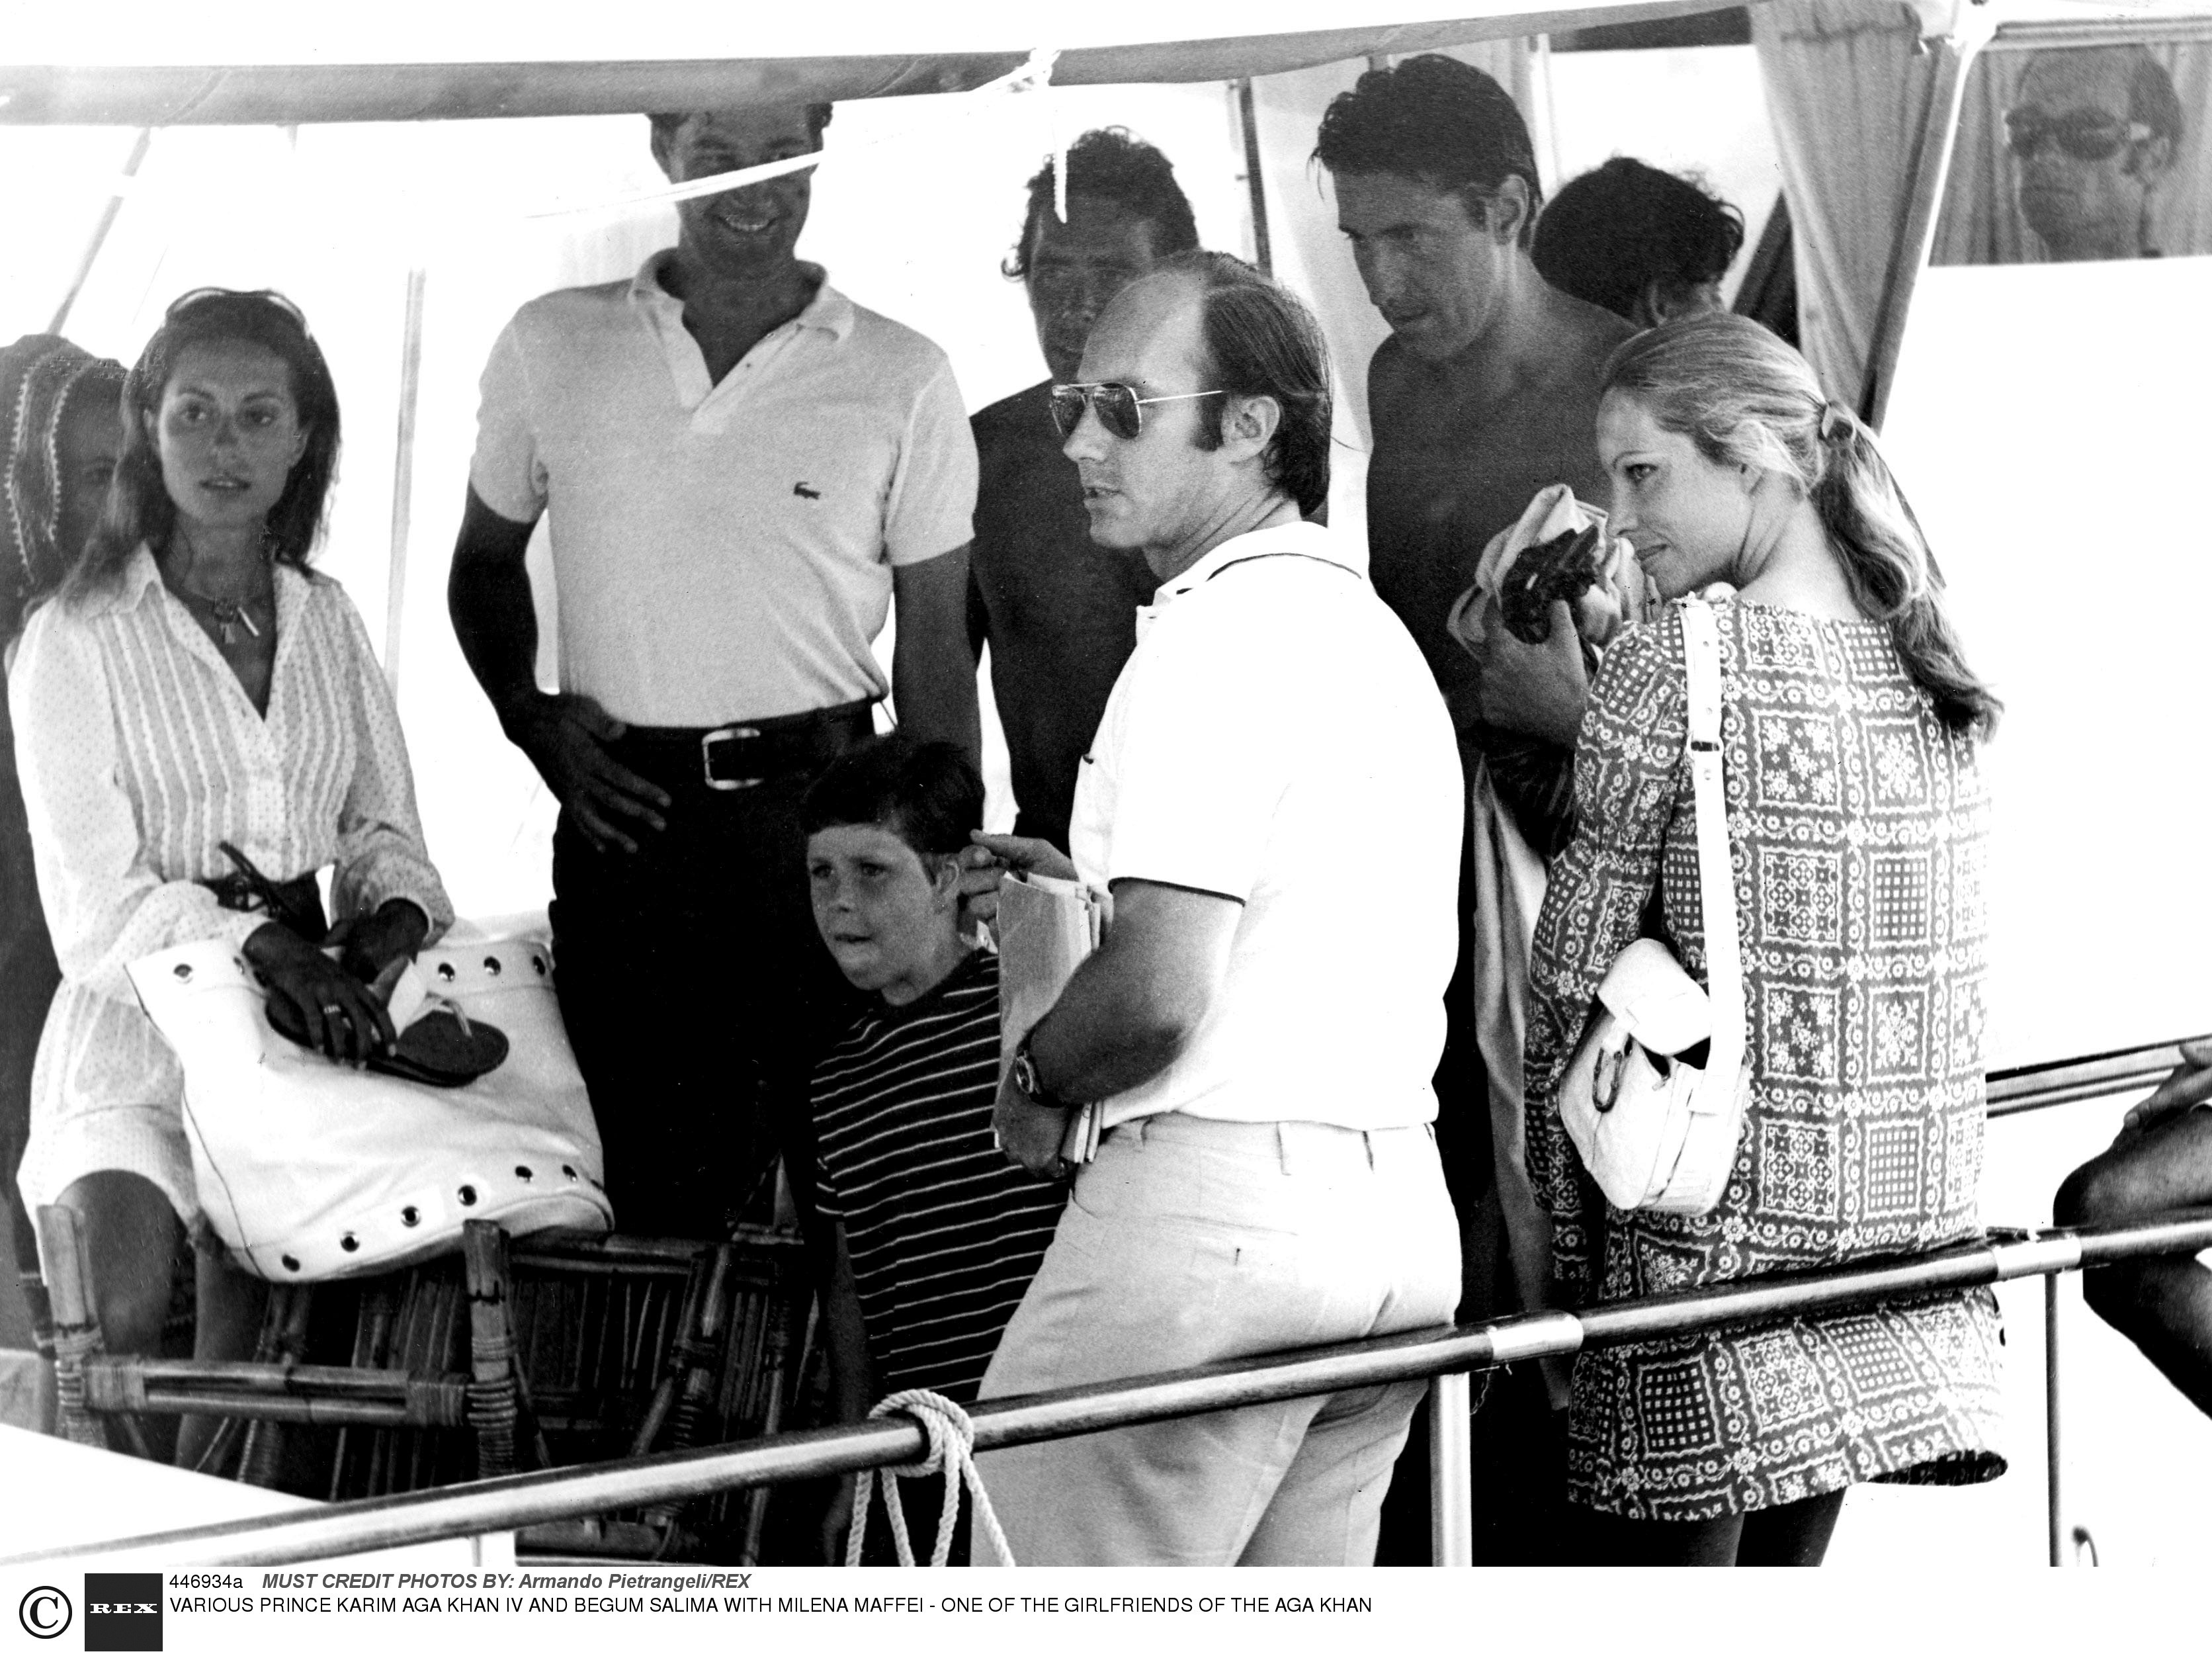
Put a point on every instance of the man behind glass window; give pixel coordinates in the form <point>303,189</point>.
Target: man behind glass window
<point>2092,133</point>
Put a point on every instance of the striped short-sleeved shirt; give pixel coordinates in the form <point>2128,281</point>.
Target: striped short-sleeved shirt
<point>944,1232</point>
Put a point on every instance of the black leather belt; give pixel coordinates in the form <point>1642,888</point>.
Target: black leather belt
<point>744,754</point>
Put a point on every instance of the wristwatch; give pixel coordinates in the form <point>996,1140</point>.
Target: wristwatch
<point>1024,1071</point>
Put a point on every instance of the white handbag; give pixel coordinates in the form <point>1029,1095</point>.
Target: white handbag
<point>1658,1132</point>
<point>308,1169</point>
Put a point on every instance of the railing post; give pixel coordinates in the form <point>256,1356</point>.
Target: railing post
<point>2050,1418</point>
<point>1451,1488</point>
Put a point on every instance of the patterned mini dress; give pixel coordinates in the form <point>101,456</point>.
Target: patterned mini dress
<point>1858,830</point>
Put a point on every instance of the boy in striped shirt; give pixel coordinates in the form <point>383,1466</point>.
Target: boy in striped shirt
<point>937,1232</point>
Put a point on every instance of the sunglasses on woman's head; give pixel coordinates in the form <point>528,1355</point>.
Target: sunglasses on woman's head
<point>1120,411</point>
<point>2085,135</point>
<point>193,299</point>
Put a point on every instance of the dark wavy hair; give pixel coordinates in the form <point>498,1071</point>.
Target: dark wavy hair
<point>138,508</point>
<point>667,124</point>
<point>1437,120</point>
<point>925,791</point>
<point>1261,341</point>
<point>1114,165</point>
<point>1611,233</point>
<point>1744,398</point>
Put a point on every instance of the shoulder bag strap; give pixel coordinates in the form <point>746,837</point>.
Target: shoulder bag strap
<point>1701,656</point>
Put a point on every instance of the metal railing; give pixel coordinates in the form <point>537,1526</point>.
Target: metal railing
<point>1450,1352</point>
<point>2082,1079</point>
<point>1447,1355</point>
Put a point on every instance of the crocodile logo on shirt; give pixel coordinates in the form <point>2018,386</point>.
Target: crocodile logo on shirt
<point>803,488</point>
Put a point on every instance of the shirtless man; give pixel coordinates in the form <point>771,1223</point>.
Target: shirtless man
<point>1486,390</point>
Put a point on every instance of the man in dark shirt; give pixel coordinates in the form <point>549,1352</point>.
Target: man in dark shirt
<point>1058,611</point>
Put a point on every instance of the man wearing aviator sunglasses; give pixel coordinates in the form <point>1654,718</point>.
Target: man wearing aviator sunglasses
<point>1257,1034</point>
<point>1121,410</point>
<point>2091,135</point>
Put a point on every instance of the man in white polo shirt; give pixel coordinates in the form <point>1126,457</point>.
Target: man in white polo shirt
<point>743,471</point>
<point>1274,799</point>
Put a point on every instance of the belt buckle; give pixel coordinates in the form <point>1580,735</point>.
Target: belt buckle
<point>707,743</point>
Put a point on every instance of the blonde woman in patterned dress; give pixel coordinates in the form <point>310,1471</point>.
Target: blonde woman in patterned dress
<point>1858,823</point>
<point>194,684</point>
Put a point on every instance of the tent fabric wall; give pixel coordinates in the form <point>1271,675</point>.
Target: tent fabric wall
<point>302,64</point>
<point>1847,93</point>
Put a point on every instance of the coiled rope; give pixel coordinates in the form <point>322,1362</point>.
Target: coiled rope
<point>952,1451</point>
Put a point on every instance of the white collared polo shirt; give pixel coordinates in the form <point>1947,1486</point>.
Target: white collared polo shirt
<point>1277,738</point>
<point>722,551</point>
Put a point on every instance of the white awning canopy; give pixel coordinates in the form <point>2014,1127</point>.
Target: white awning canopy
<point>291,65</point>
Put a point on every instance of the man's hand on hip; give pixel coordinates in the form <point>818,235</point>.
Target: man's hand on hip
<point>565,735</point>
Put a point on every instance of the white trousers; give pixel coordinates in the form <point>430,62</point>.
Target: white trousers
<point>1190,1241</point>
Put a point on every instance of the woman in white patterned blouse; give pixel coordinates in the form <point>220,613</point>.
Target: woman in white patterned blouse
<point>194,685</point>
<point>1858,827</point>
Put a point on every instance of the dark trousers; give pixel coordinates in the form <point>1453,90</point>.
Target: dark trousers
<point>698,996</point>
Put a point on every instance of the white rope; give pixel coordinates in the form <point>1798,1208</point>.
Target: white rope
<point>952,1451</point>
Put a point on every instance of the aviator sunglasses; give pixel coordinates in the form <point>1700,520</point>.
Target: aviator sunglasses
<point>1120,411</point>
<point>2085,135</point>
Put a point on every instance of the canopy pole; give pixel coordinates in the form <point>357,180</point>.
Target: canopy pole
<point>403,477</point>
<point>1255,181</point>
<point>145,142</point>
<point>1931,170</point>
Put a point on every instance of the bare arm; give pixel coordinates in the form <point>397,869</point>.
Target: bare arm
<point>1127,1012</point>
<point>852,1369</point>
<point>488,595</point>
<point>852,1384</point>
<point>932,668</point>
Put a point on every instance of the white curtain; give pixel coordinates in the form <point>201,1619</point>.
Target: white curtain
<point>1846,92</point>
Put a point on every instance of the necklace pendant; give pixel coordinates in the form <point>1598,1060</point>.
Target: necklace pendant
<point>230,630</point>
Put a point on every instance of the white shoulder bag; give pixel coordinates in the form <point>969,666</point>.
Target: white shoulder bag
<point>1658,1132</point>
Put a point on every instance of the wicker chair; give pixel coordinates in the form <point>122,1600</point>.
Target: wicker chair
<point>507,1356</point>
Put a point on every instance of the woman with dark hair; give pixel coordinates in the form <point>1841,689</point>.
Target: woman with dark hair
<point>1650,246</point>
<point>1858,824</point>
<point>196,706</point>
<point>60,427</point>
